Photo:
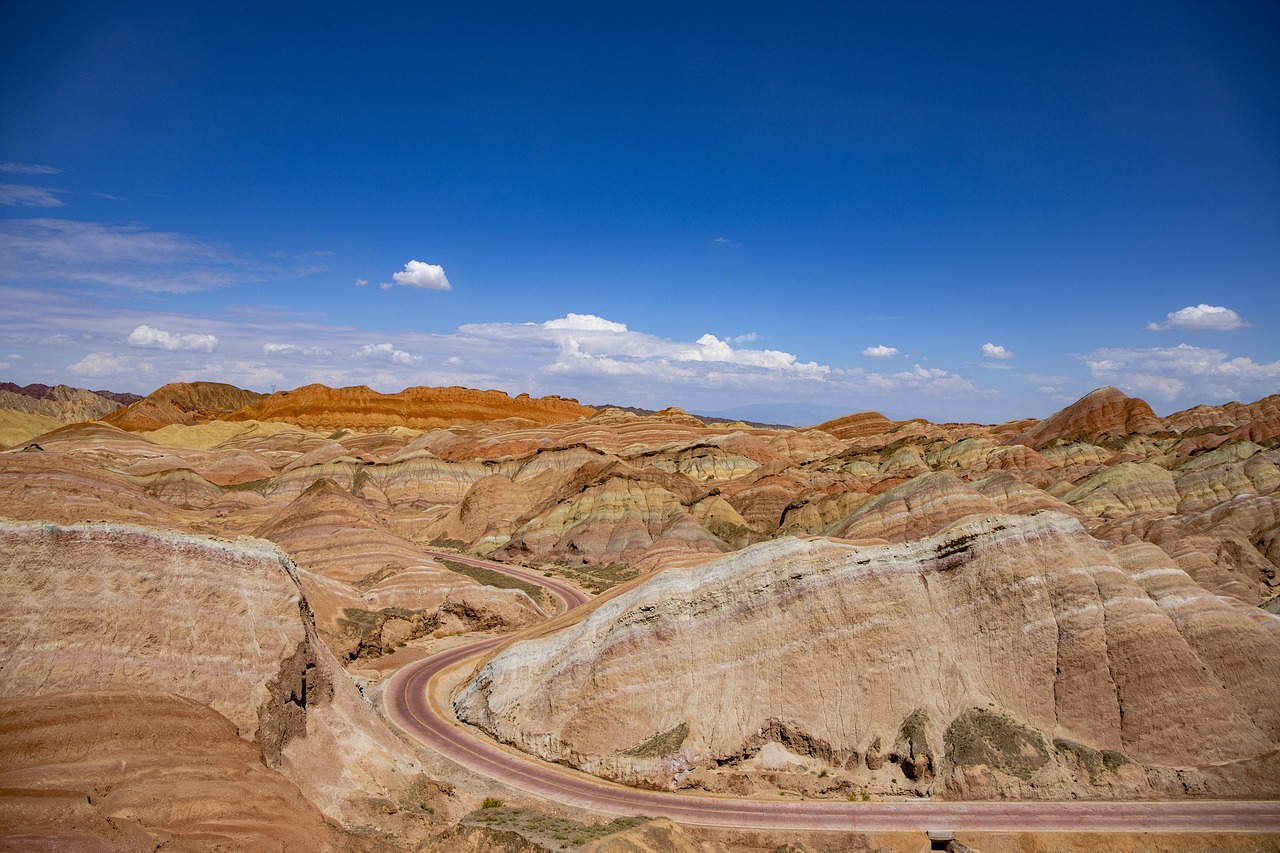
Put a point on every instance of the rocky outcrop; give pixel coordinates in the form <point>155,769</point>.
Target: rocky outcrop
<point>362,408</point>
<point>220,624</point>
<point>182,403</point>
<point>372,589</point>
<point>127,769</point>
<point>1106,411</point>
<point>62,402</point>
<point>964,663</point>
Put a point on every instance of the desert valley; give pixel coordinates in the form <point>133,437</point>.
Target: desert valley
<point>218,602</point>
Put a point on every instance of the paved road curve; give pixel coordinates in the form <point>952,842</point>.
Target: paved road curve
<point>411,705</point>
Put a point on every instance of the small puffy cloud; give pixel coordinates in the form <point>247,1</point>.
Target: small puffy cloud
<point>361,282</point>
<point>97,364</point>
<point>19,195</point>
<point>27,168</point>
<point>1202,317</point>
<point>153,338</point>
<point>453,360</point>
<point>423,275</point>
<point>880,351</point>
<point>990,350</point>
<point>585,323</point>
<point>384,352</point>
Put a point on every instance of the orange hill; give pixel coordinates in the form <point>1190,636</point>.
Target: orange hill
<point>318,407</point>
<point>182,403</point>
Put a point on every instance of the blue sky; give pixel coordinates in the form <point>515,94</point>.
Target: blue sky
<point>955,211</point>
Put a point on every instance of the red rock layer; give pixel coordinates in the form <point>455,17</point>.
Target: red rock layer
<point>360,407</point>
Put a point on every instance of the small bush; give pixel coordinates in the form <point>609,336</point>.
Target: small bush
<point>824,773</point>
<point>491,803</point>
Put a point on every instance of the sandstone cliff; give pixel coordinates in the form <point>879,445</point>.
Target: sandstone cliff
<point>1003,656</point>
<point>222,625</point>
<point>182,403</point>
<point>360,407</point>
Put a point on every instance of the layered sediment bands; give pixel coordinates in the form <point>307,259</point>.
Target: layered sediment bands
<point>380,589</point>
<point>1229,415</point>
<point>1232,548</point>
<point>223,624</point>
<point>61,488</point>
<point>61,403</point>
<point>182,403</point>
<point>954,663</point>
<point>1106,411</point>
<point>362,408</point>
<point>76,620</point>
<point>132,770</point>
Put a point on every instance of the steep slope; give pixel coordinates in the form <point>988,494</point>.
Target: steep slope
<point>222,624</point>
<point>1103,412</point>
<point>375,588</point>
<point>182,403</point>
<point>62,402</point>
<point>1005,656</point>
<point>362,408</point>
<point>133,770</point>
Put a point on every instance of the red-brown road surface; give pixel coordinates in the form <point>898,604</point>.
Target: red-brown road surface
<point>411,705</point>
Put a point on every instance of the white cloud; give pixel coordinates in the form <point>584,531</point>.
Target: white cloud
<point>422,275</point>
<point>27,168</point>
<point>294,349</point>
<point>880,351</point>
<point>20,195</point>
<point>1201,374</point>
<point>748,338</point>
<point>97,364</point>
<point>1202,317</point>
<point>147,336</point>
<point>453,360</point>
<point>990,350</point>
<point>585,323</point>
<point>124,256</point>
<point>361,282</point>
<point>385,352</point>
<point>13,356</point>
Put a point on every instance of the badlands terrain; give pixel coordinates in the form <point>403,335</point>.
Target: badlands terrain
<point>207,589</point>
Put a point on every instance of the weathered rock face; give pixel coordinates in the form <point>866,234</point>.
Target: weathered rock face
<point>182,403</point>
<point>1004,656</point>
<point>1106,411</point>
<point>222,624</point>
<point>62,402</point>
<point>135,769</point>
<point>360,407</point>
<point>360,576</point>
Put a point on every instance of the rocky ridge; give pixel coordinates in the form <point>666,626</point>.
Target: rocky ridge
<point>1003,656</point>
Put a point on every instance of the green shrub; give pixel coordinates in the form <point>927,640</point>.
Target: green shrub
<point>491,803</point>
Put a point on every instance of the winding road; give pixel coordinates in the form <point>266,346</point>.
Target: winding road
<point>414,704</point>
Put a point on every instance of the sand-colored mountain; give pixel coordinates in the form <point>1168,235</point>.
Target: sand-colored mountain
<point>362,408</point>
<point>182,403</point>
<point>1006,655</point>
<point>221,624</point>
<point>123,769</point>
<point>63,403</point>
<point>372,589</point>
<point>607,497</point>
